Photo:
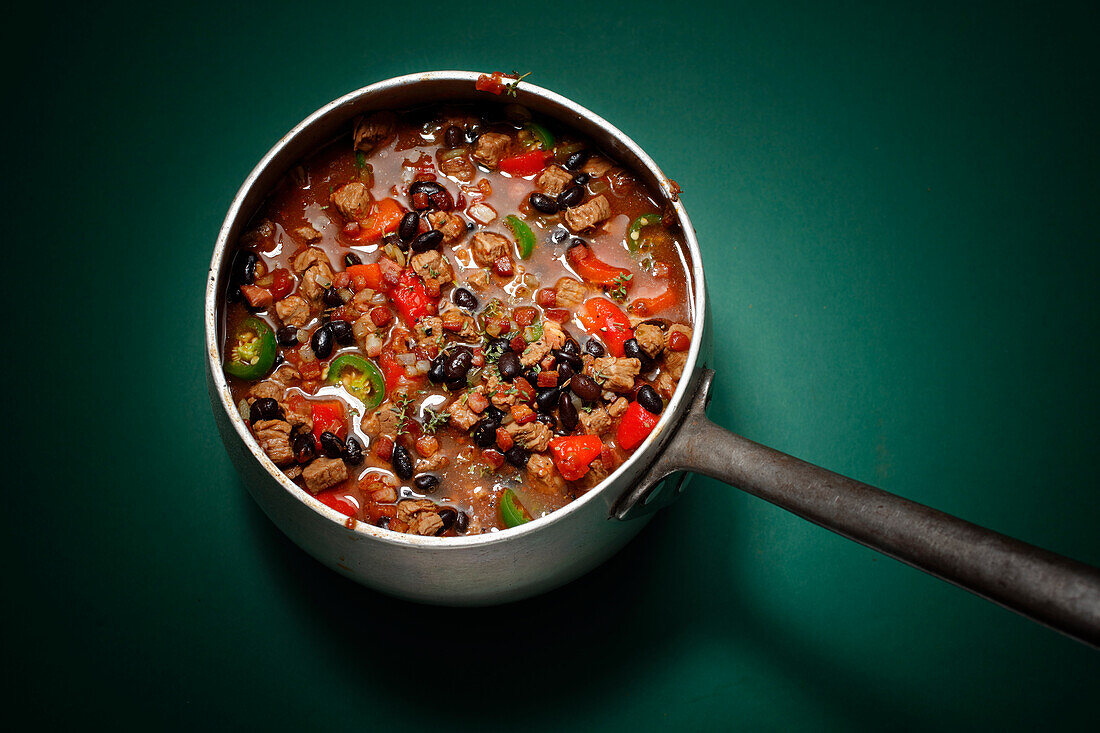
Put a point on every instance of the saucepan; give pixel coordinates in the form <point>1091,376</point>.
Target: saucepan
<point>545,553</point>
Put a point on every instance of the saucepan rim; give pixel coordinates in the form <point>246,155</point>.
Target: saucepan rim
<point>643,455</point>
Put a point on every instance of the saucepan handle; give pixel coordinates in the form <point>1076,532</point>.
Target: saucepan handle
<point>1053,590</point>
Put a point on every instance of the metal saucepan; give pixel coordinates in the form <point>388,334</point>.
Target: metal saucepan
<point>540,555</point>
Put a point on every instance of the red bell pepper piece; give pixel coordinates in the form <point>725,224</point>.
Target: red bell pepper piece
<point>595,270</point>
<point>410,298</point>
<point>603,318</point>
<point>649,306</point>
<point>573,454</point>
<point>327,417</point>
<point>339,501</point>
<point>393,370</point>
<point>365,276</point>
<point>527,164</point>
<point>384,217</point>
<point>636,425</point>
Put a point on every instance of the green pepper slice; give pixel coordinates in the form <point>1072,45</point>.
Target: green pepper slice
<point>253,351</point>
<point>360,377</point>
<point>634,233</point>
<point>511,511</point>
<point>546,140</point>
<point>525,238</point>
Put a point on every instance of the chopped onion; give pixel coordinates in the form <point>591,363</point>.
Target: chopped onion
<point>407,359</point>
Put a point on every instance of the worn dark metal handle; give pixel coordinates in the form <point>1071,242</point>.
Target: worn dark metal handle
<point>1061,593</point>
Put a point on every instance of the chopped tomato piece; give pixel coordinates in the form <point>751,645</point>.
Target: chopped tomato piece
<point>282,282</point>
<point>522,414</point>
<point>504,439</point>
<point>494,83</point>
<point>392,369</point>
<point>573,454</point>
<point>636,425</point>
<point>339,501</point>
<point>526,164</point>
<point>493,458</point>
<point>546,297</point>
<point>678,341</point>
<point>381,316</point>
<point>603,318</point>
<point>411,299</point>
<point>328,417</point>
<point>525,315</point>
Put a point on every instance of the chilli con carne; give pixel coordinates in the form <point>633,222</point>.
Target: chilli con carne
<point>455,320</point>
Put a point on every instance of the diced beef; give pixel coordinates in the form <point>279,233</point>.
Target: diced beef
<point>389,419</point>
<point>352,200</point>
<point>434,268</point>
<point>618,407</point>
<point>553,337</point>
<point>534,436</point>
<point>487,246</point>
<point>665,385</point>
<point>300,418</point>
<point>597,472</point>
<point>429,330</point>
<point>596,422</point>
<point>421,515</point>
<point>452,314</point>
<point>478,280</point>
<point>459,168</point>
<point>315,281</point>
<point>267,389</point>
<point>257,297</point>
<point>543,476</point>
<point>324,473</point>
<point>372,129</point>
<point>452,225</point>
<point>274,437</point>
<point>491,148</point>
<point>293,310</point>
<point>651,338</point>
<point>500,393</point>
<point>588,214</point>
<point>597,166</point>
<point>462,417</point>
<point>367,336</point>
<point>309,235</point>
<point>482,213</point>
<point>569,293</point>
<point>614,373</point>
<point>553,180</point>
<point>307,258</point>
<point>673,364</point>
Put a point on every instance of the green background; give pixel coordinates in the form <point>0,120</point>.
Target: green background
<point>898,210</point>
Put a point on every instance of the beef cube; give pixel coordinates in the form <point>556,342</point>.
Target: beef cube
<point>553,180</point>
<point>614,373</point>
<point>324,473</point>
<point>588,214</point>
<point>651,338</point>
<point>372,129</point>
<point>274,437</point>
<point>488,246</point>
<point>451,225</point>
<point>569,293</point>
<point>543,476</point>
<point>293,310</point>
<point>491,148</point>
<point>352,200</point>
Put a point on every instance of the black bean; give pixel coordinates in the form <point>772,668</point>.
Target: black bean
<point>442,200</point>
<point>485,434</point>
<point>508,365</point>
<point>303,447</point>
<point>500,345</point>
<point>547,419</point>
<point>426,483</point>
<point>633,350</point>
<point>661,323</point>
<point>332,445</point>
<point>595,348</point>
<point>463,298</point>
<point>457,385</point>
<point>279,359</point>
<point>545,399</point>
<point>517,456</point>
<point>429,240</point>
<point>454,137</point>
<point>243,269</point>
<point>332,296</point>
<point>577,160</point>
<point>428,187</point>
<point>571,346</point>
<point>383,522</point>
<point>321,342</point>
<point>571,197</point>
<point>462,523</point>
<point>565,373</point>
<point>395,239</point>
<point>342,332</point>
<point>287,336</point>
<point>542,202</point>
<point>559,235</point>
<point>264,408</point>
<point>435,374</point>
<point>353,453</point>
<point>458,363</point>
<point>572,360</point>
<point>402,462</point>
<point>582,179</point>
<point>585,387</point>
<point>449,516</point>
<point>409,226</point>
<point>351,259</point>
<point>567,411</point>
<point>493,415</point>
<point>234,294</point>
<point>650,400</point>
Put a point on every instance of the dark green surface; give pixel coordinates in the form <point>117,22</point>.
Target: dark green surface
<point>898,210</point>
